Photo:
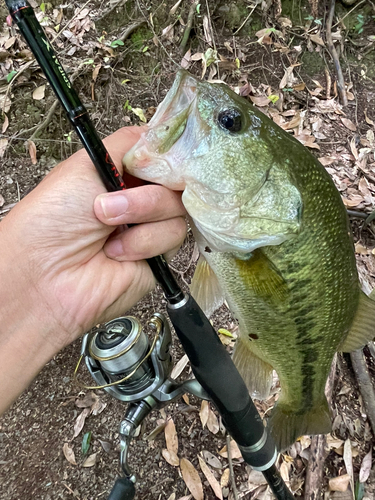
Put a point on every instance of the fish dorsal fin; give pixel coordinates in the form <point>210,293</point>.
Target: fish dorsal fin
<point>260,274</point>
<point>205,287</point>
<point>363,327</point>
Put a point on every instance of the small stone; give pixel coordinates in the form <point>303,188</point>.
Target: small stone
<point>9,179</point>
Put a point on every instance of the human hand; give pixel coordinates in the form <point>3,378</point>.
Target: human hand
<point>56,261</point>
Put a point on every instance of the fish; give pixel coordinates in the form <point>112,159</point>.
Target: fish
<point>274,241</point>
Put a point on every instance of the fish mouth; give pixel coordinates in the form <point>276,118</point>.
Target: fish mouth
<point>164,130</point>
<point>170,119</point>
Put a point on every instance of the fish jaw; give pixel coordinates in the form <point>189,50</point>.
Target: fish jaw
<point>169,138</point>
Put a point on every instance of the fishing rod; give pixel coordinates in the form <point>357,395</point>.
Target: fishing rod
<point>115,350</point>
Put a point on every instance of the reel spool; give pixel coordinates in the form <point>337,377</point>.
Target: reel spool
<point>121,360</point>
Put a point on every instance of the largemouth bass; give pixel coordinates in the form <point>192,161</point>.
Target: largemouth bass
<point>274,240</point>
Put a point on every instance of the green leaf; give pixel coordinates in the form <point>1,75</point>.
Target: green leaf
<point>125,81</point>
<point>238,64</point>
<point>359,490</point>
<point>116,43</point>
<point>139,112</point>
<point>273,98</point>
<point>86,443</point>
<point>198,8</point>
<point>127,106</point>
<point>11,75</point>
<point>43,7</point>
<point>89,61</point>
<point>145,49</point>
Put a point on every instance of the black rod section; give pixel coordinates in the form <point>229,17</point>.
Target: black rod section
<point>23,14</point>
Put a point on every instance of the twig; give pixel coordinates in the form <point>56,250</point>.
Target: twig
<point>189,25</point>
<point>365,384</point>
<point>45,122</point>
<point>132,27</point>
<point>351,10</point>
<point>230,463</point>
<point>18,74</point>
<point>243,24</point>
<point>335,57</point>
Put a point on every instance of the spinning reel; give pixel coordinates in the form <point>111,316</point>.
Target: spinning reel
<point>122,360</point>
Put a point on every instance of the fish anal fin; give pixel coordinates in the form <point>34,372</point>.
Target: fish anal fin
<point>286,425</point>
<point>205,288</point>
<point>256,373</point>
<point>363,326</point>
<point>261,275</point>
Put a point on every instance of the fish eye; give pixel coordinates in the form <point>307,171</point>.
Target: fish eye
<point>230,119</point>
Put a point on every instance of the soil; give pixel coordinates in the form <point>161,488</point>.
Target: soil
<point>287,72</point>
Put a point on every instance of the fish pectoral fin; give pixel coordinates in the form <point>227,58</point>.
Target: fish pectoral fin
<point>287,425</point>
<point>256,373</point>
<point>262,276</point>
<point>205,288</point>
<point>363,326</point>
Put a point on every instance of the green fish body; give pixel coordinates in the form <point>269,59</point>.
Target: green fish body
<point>274,240</point>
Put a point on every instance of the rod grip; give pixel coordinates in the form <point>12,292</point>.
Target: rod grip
<point>123,489</point>
<point>215,371</point>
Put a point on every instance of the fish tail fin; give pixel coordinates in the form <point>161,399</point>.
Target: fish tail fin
<point>286,425</point>
<point>256,373</point>
<point>362,330</point>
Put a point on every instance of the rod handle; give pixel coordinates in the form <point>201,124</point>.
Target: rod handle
<point>123,489</point>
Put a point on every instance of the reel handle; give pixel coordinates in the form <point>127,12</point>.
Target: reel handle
<point>123,489</point>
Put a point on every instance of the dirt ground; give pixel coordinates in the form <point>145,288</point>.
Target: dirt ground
<point>123,57</point>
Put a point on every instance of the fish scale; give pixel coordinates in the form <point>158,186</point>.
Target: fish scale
<point>274,240</point>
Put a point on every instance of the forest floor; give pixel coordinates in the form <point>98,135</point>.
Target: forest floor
<point>122,56</point>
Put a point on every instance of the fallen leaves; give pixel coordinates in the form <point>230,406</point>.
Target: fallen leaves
<point>69,454</point>
<point>214,483</point>
<point>170,454</point>
<point>191,479</point>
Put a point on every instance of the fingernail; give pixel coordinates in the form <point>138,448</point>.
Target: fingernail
<point>114,248</point>
<point>113,204</point>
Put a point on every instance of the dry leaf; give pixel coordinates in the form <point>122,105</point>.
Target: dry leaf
<point>105,445</point>
<point>3,146</point>
<point>96,72</point>
<point>348,124</point>
<point>234,450</point>
<point>327,160</point>
<point>32,151</point>
<point>352,201</point>
<point>171,437</point>
<point>284,471</point>
<point>170,457</point>
<point>186,399</point>
<point>153,434</point>
<point>5,124</point>
<point>204,412</point>
<point>214,483</point>
<point>69,454</point>
<point>207,30</point>
<point>174,8</point>
<point>317,39</point>
<point>172,496</point>
<point>365,467</point>
<point>191,478</point>
<point>339,483</point>
<point>348,460</point>
<point>224,480</point>
<point>368,120</point>
<point>179,367</point>
<point>256,478</point>
<point>185,63</point>
<point>212,422</point>
<point>261,101</point>
<point>90,461</point>
<point>87,401</point>
<point>211,460</point>
<point>39,92</point>
<point>80,421</point>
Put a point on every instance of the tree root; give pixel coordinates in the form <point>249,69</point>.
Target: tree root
<point>365,384</point>
<point>45,122</point>
<point>332,49</point>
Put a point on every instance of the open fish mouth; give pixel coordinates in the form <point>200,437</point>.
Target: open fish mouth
<point>157,151</point>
